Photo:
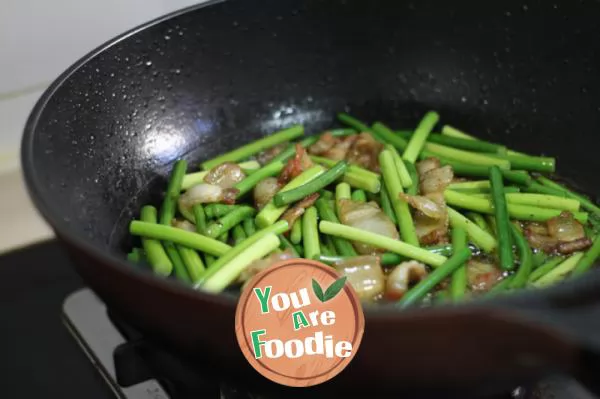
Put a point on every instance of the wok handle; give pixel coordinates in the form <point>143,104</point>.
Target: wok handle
<point>575,315</point>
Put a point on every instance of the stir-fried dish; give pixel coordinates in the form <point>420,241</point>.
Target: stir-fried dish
<point>409,216</point>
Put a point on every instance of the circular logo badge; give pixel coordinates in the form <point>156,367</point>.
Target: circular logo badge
<point>299,323</point>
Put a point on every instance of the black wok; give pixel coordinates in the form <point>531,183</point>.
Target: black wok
<point>101,140</point>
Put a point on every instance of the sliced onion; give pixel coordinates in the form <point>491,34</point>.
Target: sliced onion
<point>426,205</point>
<point>565,228</point>
<point>324,144</point>
<point>365,275</point>
<point>225,175</point>
<point>482,276</point>
<point>265,190</point>
<point>428,164</point>
<point>436,180</point>
<point>261,264</point>
<point>399,280</point>
<point>184,225</point>
<point>369,217</point>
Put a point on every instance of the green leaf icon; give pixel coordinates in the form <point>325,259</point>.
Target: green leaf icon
<point>317,290</point>
<point>334,289</point>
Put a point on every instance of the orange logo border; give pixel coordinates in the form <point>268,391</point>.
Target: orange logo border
<point>243,335</point>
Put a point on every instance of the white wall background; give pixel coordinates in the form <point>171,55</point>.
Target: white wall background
<point>40,38</point>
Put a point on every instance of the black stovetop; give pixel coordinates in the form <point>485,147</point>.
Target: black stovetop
<point>39,357</point>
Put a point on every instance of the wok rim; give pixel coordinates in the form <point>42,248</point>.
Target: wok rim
<point>63,232</point>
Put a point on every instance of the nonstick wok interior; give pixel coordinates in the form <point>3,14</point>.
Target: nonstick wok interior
<point>209,80</point>
<point>100,143</point>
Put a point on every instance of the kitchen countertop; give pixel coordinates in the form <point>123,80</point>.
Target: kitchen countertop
<point>21,223</point>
